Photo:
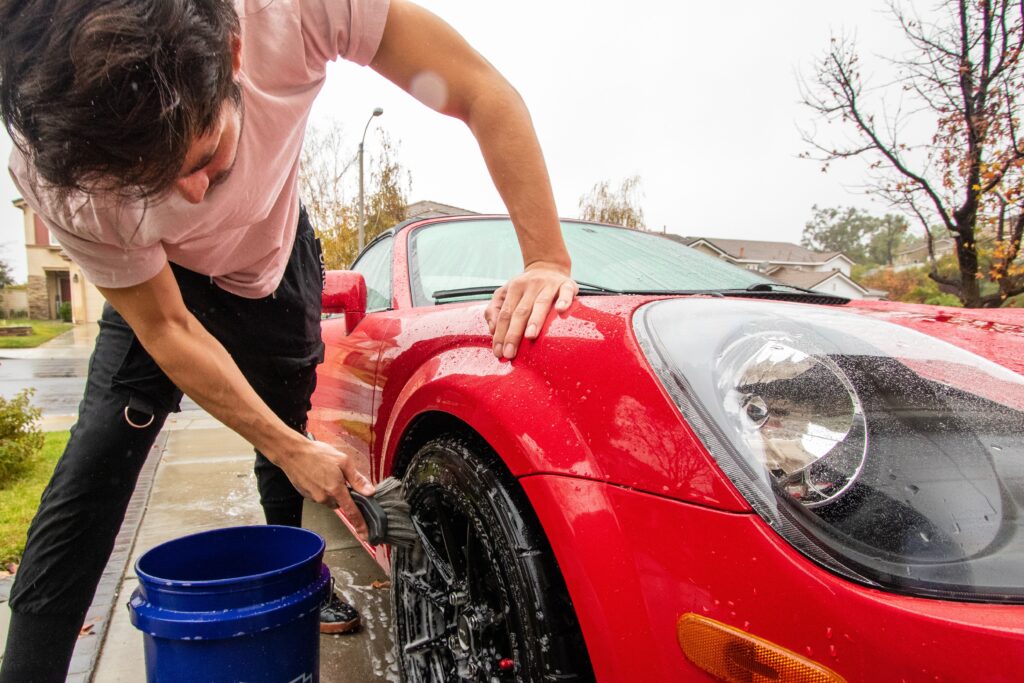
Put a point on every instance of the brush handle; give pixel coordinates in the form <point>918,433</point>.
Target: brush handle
<point>373,513</point>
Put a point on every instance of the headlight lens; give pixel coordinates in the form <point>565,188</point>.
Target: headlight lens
<point>886,455</point>
<point>812,447</point>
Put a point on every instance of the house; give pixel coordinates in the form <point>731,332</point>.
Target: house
<point>916,253</point>
<point>429,209</point>
<point>52,277</point>
<point>787,263</point>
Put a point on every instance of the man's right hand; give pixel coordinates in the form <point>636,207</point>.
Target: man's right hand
<point>324,474</point>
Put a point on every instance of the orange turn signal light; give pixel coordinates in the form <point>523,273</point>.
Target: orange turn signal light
<point>732,655</point>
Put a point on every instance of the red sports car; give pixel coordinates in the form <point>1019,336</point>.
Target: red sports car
<point>695,473</point>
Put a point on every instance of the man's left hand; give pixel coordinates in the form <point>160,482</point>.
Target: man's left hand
<point>519,308</point>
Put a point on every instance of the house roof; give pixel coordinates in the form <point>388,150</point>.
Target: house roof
<point>759,251</point>
<point>429,209</point>
<point>809,279</point>
<point>921,244</point>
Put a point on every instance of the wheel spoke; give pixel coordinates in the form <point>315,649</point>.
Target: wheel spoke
<point>418,584</point>
<point>425,644</point>
<point>455,554</point>
<point>434,556</point>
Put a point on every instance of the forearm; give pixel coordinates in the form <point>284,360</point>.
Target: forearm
<point>415,43</point>
<point>502,126</point>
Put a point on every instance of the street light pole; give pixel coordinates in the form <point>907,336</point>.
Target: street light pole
<point>362,207</point>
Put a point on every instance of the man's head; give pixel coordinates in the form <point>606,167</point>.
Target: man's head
<point>120,95</point>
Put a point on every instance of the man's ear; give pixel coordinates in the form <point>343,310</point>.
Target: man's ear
<point>236,54</point>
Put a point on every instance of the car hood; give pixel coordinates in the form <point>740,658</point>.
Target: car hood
<point>995,334</point>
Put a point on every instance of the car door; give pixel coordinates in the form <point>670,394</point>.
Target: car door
<point>343,403</point>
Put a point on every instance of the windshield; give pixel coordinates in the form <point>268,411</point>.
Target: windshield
<point>485,253</point>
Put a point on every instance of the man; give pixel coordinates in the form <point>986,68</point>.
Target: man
<point>159,141</point>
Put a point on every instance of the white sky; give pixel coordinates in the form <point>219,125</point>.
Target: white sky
<point>698,98</point>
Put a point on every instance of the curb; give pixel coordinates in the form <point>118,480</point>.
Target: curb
<point>87,650</point>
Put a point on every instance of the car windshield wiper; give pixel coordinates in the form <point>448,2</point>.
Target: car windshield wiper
<point>759,290</point>
<point>443,294</point>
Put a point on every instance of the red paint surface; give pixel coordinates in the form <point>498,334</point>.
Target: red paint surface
<point>634,563</point>
<point>996,334</point>
<point>644,524</point>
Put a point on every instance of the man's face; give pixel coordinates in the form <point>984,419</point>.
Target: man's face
<point>211,157</point>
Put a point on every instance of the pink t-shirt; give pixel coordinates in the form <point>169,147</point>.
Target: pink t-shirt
<point>242,233</point>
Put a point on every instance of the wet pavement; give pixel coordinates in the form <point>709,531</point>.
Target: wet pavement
<point>56,370</point>
<point>204,481</point>
<point>199,477</point>
<point>58,382</point>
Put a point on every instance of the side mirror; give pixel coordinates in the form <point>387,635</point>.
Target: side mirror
<point>345,292</point>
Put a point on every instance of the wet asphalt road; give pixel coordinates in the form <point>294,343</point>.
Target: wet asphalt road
<point>58,382</point>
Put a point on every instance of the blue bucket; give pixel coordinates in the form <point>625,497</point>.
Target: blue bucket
<point>235,604</point>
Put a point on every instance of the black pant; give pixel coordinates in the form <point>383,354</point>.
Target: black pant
<point>276,343</point>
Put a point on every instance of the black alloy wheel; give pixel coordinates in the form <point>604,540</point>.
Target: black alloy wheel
<point>482,599</point>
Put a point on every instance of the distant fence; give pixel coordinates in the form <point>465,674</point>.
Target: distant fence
<point>13,303</point>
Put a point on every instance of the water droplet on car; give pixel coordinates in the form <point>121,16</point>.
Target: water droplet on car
<point>996,448</point>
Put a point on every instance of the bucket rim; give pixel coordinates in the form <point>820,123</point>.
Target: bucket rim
<point>146,578</point>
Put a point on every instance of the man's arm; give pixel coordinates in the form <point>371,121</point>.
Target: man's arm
<point>200,366</point>
<point>419,51</point>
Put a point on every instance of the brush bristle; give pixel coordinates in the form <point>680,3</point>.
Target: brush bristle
<point>400,527</point>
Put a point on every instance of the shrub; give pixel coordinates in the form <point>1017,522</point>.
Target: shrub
<point>65,311</point>
<point>20,436</point>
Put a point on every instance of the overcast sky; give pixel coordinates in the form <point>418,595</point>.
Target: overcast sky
<point>699,99</point>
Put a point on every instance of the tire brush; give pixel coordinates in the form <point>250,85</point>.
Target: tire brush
<point>386,512</point>
<point>387,515</point>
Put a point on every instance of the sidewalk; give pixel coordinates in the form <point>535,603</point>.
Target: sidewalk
<point>75,343</point>
<point>199,477</point>
<point>204,480</point>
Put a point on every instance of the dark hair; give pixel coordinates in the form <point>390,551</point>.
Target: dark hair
<point>108,95</point>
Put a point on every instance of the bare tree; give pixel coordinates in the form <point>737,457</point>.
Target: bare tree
<point>618,207</point>
<point>961,77</point>
<point>388,191</point>
<point>330,193</point>
<point>324,187</point>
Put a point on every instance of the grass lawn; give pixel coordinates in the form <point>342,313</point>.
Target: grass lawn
<point>20,498</point>
<point>42,330</point>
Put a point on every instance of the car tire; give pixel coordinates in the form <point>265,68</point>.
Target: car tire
<point>481,599</point>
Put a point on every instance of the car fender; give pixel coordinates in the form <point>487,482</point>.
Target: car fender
<point>462,383</point>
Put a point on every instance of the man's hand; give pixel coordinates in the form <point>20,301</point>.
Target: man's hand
<point>518,309</point>
<point>323,474</point>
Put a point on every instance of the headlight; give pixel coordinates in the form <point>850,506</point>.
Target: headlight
<point>799,416</point>
<point>885,455</point>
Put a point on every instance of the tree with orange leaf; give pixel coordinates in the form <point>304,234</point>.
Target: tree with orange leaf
<point>961,78</point>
